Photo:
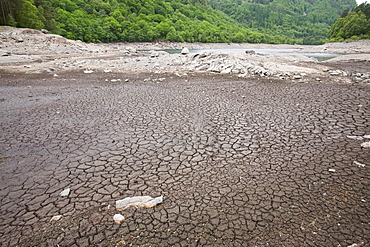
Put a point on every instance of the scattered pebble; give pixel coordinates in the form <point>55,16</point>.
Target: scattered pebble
<point>331,170</point>
<point>88,71</point>
<point>65,192</point>
<point>356,245</point>
<point>355,137</point>
<point>118,218</point>
<point>358,164</point>
<point>365,144</point>
<point>56,218</point>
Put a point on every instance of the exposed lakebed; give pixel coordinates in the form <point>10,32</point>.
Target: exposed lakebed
<point>320,56</point>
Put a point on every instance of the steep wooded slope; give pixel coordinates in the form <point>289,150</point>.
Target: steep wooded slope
<point>255,21</point>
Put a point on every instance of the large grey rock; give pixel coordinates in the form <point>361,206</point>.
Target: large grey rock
<point>5,53</point>
<point>154,54</point>
<point>138,201</point>
<point>250,52</point>
<point>185,51</point>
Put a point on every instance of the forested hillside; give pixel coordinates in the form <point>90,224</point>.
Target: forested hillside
<point>255,21</point>
<point>305,21</point>
<point>353,24</point>
<point>131,20</point>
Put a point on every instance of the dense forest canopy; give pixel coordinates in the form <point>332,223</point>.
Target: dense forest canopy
<point>353,24</point>
<point>255,21</point>
<point>305,21</point>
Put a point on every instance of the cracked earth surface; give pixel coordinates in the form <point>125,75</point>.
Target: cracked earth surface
<point>239,162</point>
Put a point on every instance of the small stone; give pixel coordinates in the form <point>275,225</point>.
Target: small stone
<point>332,170</point>
<point>318,79</point>
<point>44,31</point>
<point>88,71</point>
<point>56,218</point>
<point>358,164</point>
<point>335,73</point>
<point>47,70</point>
<point>107,71</point>
<point>356,245</point>
<point>365,145</point>
<point>355,137</point>
<point>65,192</point>
<point>118,218</point>
<point>367,136</point>
<point>297,77</point>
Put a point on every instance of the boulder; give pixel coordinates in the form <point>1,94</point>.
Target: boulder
<point>154,54</point>
<point>5,53</point>
<point>185,51</point>
<point>250,52</point>
<point>138,201</point>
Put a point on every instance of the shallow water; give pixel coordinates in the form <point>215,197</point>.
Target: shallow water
<point>318,56</point>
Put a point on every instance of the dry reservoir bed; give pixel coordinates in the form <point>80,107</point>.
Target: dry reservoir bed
<point>239,162</point>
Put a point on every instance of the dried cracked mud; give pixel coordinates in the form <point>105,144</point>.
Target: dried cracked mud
<point>239,162</point>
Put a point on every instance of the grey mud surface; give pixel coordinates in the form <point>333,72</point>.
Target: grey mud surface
<point>239,162</point>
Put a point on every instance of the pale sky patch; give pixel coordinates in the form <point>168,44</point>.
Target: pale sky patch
<point>361,1</point>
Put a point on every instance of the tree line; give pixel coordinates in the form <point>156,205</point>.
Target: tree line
<point>353,24</point>
<point>304,21</point>
<point>252,21</point>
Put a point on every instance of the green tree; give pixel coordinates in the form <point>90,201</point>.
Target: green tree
<point>354,24</point>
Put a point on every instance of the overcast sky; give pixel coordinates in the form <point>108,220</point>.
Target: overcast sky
<point>361,1</point>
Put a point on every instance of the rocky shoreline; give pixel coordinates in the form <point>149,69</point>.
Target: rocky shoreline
<point>30,51</point>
